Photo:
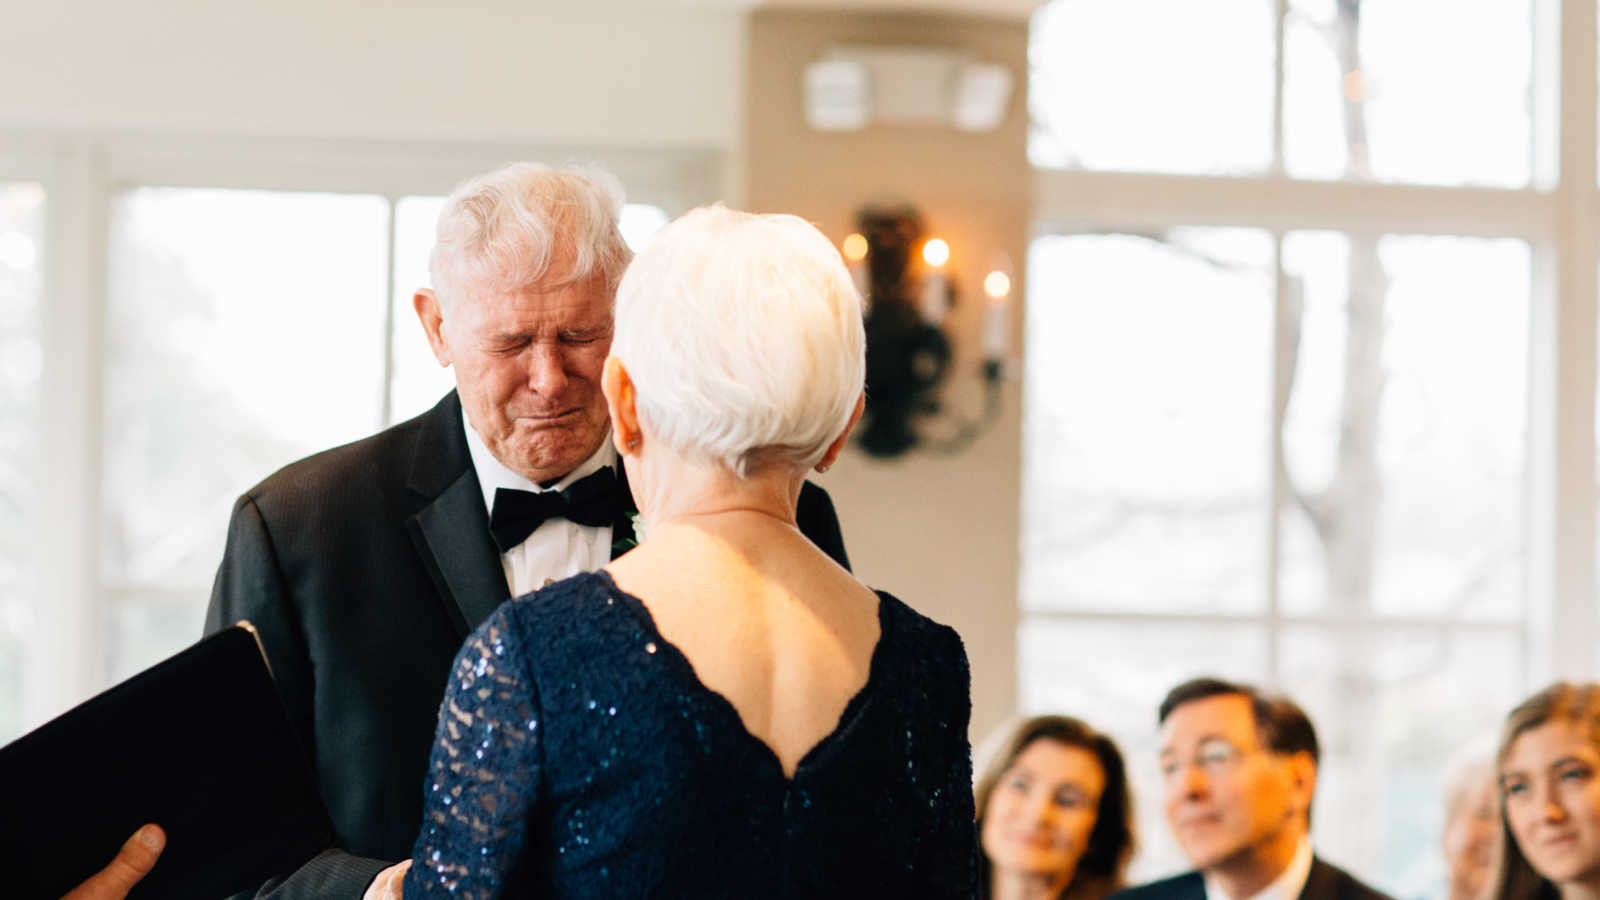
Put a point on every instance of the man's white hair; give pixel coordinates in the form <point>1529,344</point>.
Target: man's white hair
<point>504,230</point>
<point>743,337</point>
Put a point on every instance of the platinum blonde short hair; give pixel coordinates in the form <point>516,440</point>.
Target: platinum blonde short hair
<point>507,228</point>
<point>743,337</point>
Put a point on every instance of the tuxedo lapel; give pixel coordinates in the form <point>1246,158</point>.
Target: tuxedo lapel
<point>623,537</point>
<point>451,530</point>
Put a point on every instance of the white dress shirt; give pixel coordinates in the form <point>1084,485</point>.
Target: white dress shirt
<point>558,548</point>
<point>1287,886</point>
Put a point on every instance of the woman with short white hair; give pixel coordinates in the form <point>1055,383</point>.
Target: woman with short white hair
<point>723,711</point>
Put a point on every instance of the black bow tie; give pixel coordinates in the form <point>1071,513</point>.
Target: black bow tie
<point>591,500</point>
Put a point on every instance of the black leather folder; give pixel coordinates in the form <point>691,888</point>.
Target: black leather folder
<point>199,744</point>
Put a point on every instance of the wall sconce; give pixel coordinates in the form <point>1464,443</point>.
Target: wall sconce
<point>909,294</point>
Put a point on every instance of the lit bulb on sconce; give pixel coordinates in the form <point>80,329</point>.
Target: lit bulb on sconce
<point>855,247</point>
<point>997,285</point>
<point>935,290</point>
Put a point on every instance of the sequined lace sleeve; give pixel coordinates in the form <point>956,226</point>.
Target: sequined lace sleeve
<point>951,861</point>
<point>484,774</point>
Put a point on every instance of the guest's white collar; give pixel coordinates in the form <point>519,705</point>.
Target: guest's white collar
<point>493,474</point>
<point>1287,886</point>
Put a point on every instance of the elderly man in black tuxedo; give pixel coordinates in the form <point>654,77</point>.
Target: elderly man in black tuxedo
<point>364,567</point>
<point>1239,770</point>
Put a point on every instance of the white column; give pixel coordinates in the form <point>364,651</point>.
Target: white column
<point>1562,449</point>
<point>65,660</point>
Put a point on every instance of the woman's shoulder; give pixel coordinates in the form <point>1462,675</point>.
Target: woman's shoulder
<point>558,613</point>
<point>929,648</point>
<point>914,627</point>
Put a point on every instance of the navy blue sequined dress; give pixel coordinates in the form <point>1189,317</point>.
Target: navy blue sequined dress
<point>578,755</point>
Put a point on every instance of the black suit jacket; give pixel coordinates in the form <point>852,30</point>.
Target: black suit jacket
<point>1324,882</point>
<point>364,568</point>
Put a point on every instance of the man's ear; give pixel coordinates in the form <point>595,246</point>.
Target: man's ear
<point>1303,772</point>
<point>837,447</point>
<point>621,401</point>
<point>426,303</point>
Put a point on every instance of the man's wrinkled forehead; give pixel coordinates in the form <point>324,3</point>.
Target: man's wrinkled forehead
<point>518,267</point>
<point>557,279</point>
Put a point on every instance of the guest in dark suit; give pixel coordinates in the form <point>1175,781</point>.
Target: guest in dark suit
<point>1549,771</point>
<point>1239,769</point>
<point>364,567</point>
<point>1055,816</point>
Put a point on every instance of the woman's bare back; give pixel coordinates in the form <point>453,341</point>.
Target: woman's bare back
<point>783,633</point>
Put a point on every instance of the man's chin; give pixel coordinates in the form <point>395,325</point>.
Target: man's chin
<point>547,454</point>
<point>1210,854</point>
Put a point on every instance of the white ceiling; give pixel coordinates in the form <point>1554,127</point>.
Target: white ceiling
<point>1018,10</point>
<point>998,9</point>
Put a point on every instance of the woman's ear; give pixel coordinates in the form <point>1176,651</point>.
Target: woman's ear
<point>837,447</point>
<point>620,402</point>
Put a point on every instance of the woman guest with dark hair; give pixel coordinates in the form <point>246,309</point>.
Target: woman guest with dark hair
<point>1055,816</point>
<point>1549,766</point>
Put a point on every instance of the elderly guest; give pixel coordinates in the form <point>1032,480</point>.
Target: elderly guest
<point>364,567</point>
<point>1471,825</point>
<point>1055,818</point>
<point>1549,769</point>
<point>724,711</point>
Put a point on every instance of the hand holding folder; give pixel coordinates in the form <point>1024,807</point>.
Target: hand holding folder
<point>133,862</point>
<point>200,745</point>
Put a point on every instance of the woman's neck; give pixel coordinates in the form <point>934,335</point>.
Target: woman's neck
<point>1582,889</point>
<point>1010,884</point>
<point>677,491</point>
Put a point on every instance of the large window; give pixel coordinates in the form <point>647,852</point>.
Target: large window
<point>1303,434</point>
<point>245,329</point>
<point>1157,86</point>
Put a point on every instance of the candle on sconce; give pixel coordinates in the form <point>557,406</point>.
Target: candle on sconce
<point>997,315</point>
<point>855,259</point>
<point>935,288</point>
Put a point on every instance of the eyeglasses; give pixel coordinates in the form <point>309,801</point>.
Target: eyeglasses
<point>1215,757</point>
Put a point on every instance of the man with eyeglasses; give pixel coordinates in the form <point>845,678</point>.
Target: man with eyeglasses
<point>1238,770</point>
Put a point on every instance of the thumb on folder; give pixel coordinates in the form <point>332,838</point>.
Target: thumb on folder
<point>134,861</point>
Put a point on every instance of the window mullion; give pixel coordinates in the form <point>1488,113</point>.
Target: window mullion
<point>1280,28</point>
<point>65,661</point>
<point>387,401</point>
<point>1275,490</point>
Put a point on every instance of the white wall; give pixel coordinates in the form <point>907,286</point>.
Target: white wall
<point>569,73</point>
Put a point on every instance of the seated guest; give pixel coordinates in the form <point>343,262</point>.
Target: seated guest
<point>1055,819</point>
<point>724,711</point>
<point>1471,826</point>
<point>1549,767</point>
<point>1239,769</point>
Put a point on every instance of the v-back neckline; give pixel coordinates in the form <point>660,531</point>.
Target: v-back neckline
<point>852,708</point>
